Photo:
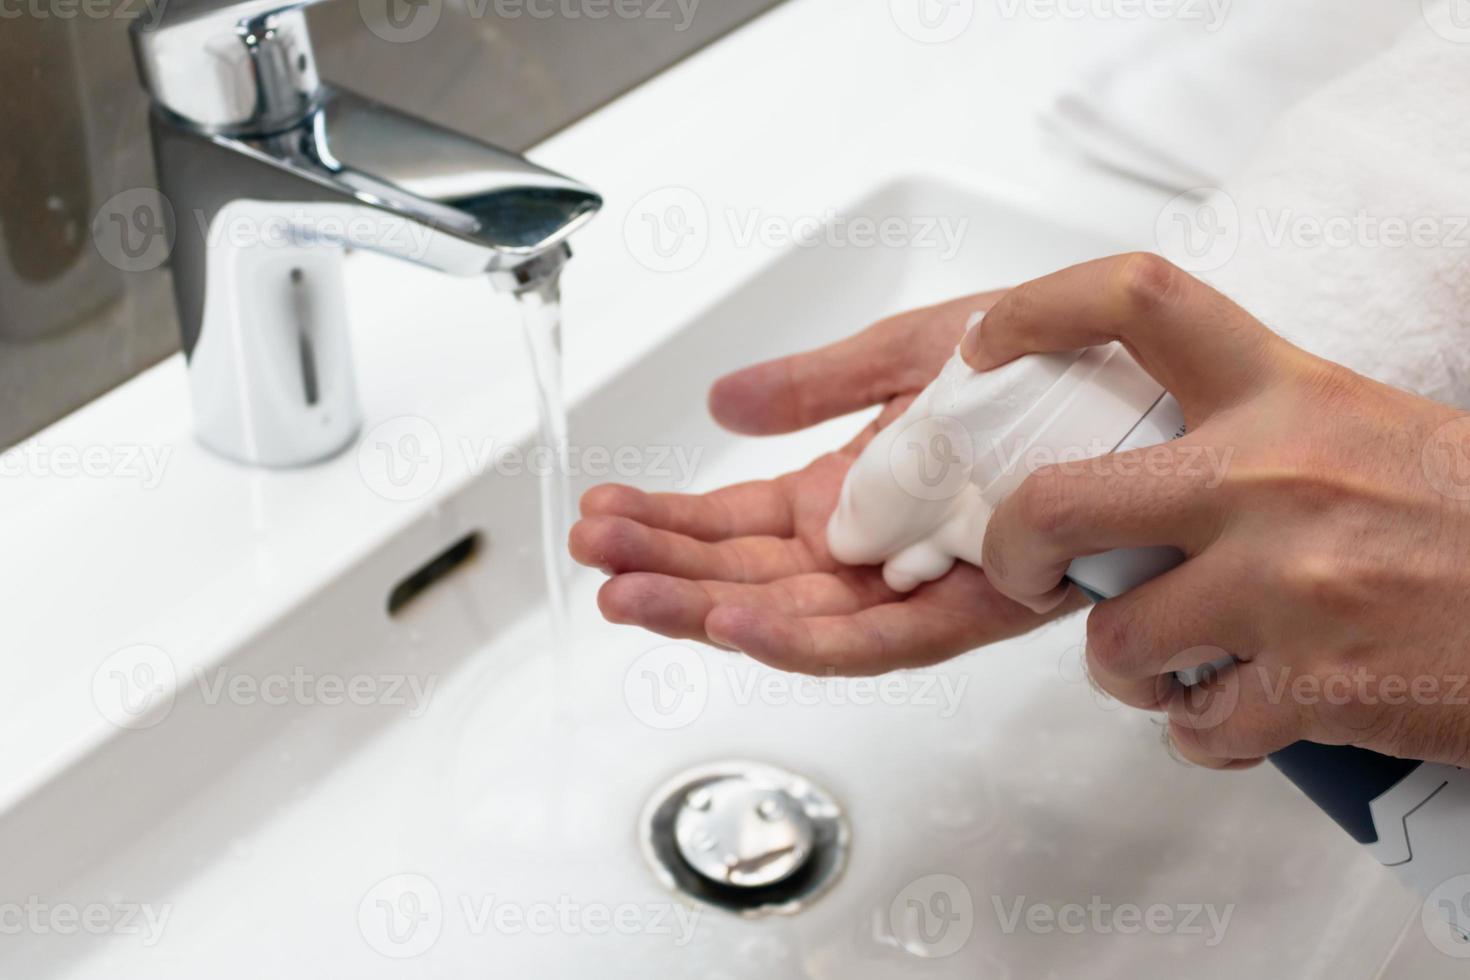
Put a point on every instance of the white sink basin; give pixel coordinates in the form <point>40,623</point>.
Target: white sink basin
<point>485,822</point>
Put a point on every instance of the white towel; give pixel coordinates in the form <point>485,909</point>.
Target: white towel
<point>1190,97</point>
<point>1360,165</point>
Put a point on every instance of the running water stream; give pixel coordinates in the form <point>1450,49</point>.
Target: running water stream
<point>540,308</point>
<point>541,326</point>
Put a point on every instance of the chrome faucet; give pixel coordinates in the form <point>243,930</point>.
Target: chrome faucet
<point>270,174</point>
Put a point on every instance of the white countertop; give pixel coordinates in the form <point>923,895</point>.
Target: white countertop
<point>794,114</point>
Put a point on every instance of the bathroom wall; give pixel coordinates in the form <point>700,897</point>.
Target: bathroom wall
<point>75,320</point>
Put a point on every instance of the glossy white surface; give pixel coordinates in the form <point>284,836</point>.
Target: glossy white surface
<point>181,549</point>
<point>498,784</point>
<point>506,774</point>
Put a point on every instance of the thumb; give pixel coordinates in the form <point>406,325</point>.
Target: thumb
<point>1193,340</point>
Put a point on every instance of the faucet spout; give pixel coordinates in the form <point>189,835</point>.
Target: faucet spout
<point>478,208</point>
<point>268,191</point>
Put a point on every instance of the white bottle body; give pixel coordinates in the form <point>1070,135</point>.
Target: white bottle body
<point>921,494</point>
<point>1107,575</point>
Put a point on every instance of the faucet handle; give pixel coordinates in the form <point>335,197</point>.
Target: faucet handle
<point>244,67</point>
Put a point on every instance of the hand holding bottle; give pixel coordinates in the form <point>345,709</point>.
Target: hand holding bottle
<point>1332,560</point>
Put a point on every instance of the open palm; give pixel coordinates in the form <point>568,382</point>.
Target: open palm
<point>747,566</point>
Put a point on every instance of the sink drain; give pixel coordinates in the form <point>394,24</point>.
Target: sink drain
<point>748,838</point>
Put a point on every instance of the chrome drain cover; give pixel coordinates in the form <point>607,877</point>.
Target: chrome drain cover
<point>742,832</point>
<point>745,837</point>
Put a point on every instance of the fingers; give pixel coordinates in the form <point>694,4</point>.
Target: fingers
<point>940,620</point>
<point>1190,617</point>
<point>619,544</point>
<point>864,643</point>
<point>1144,498</point>
<point>1263,706</point>
<point>1186,618</point>
<point>742,510</point>
<point>1198,344</point>
<point>1190,756</point>
<point>1232,720</point>
<point>895,355</point>
<point>678,607</point>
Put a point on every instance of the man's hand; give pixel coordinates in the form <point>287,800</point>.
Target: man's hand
<point>1331,557</point>
<point>747,567</point>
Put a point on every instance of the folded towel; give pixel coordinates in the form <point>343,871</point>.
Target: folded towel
<point>1354,220</point>
<point>1188,99</point>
